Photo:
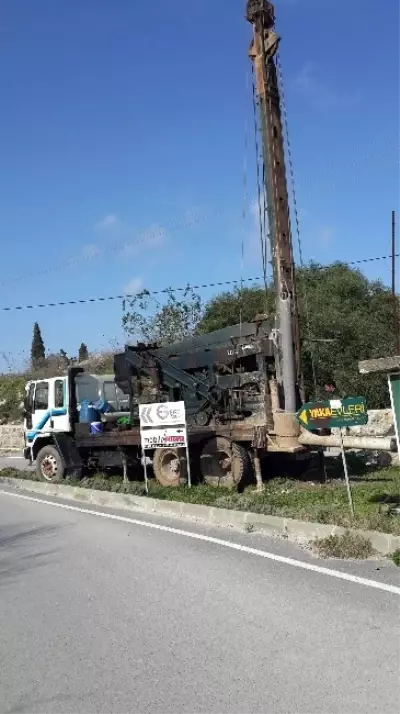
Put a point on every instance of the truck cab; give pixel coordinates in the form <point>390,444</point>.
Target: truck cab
<point>46,408</point>
<point>52,412</point>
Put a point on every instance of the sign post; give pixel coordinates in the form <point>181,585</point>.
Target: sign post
<point>346,474</point>
<point>144,464</point>
<point>163,425</point>
<point>335,414</point>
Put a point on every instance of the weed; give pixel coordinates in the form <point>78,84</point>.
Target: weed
<point>14,473</point>
<point>133,487</point>
<point>349,545</point>
<point>395,556</point>
<point>249,528</point>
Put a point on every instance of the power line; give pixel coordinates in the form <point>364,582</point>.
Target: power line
<point>92,251</point>
<point>185,288</point>
<point>127,296</point>
<point>118,246</point>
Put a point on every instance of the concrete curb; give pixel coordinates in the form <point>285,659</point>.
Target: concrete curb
<point>293,530</point>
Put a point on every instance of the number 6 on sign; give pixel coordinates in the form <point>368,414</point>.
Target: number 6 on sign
<point>162,414</point>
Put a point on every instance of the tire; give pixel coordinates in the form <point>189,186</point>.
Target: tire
<point>224,463</point>
<point>169,467</point>
<point>49,465</point>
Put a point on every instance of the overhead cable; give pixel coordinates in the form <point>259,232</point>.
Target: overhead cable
<point>167,291</point>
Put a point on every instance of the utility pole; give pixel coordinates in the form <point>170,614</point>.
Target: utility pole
<point>396,316</point>
<point>261,14</point>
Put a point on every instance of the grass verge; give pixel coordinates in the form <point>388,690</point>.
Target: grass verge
<point>395,556</point>
<point>373,495</point>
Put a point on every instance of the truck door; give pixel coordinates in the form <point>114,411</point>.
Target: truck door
<point>28,406</point>
<point>39,418</point>
<point>49,408</point>
<point>59,420</point>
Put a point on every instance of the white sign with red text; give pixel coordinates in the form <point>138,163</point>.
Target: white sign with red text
<point>162,438</point>
<point>163,426</point>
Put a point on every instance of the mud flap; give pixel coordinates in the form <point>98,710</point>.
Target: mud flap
<point>69,454</point>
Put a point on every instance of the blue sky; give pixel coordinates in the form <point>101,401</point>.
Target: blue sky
<point>122,141</point>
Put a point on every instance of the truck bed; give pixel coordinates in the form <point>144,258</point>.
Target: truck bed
<point>256,436</point>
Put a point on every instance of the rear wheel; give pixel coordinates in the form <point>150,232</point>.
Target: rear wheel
<point>169,467</point>
<point>224,463</point>
<point>49,464</point>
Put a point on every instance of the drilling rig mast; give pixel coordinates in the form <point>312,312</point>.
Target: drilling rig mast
<point>263,52</point>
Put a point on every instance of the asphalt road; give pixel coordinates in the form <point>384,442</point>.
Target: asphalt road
<point>99,615</point>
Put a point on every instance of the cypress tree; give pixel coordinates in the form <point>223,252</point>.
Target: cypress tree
<point>38,354</point>
<point>83,353</point>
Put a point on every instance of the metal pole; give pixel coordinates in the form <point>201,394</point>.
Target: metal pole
<point>124,466</point>
<point>395,305</point>
<point>257,471</point>
<point>144,464</point>
<point>346,474</point>
<point>322,466</point>
<point>189,477</point>
<point>287,352</point>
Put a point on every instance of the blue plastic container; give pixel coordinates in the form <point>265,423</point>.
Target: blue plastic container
<point>88,413</point>
<point>96,427</point>
<point>102,406</point>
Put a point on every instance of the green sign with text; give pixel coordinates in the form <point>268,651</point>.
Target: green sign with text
<point>333,413</point>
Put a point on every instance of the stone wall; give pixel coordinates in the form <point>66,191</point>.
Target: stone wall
<point>11,438</point>
<point>380,423</point>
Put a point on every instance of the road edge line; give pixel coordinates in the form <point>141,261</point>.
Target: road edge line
<point>289,528</point>
<point>385,587</point>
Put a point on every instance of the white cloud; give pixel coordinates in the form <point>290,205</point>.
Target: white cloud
<point>325,235</point>
<point>91,251</point>
<point>154,236</point>
<point>109,223</point>
<point>133,286</point>
<point>194,213</point>
<point>318,93</point>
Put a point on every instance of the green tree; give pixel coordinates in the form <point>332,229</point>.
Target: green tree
<point>64,359</point>
<point>232,306</point>
<point>83,353</point>
<point>147,320</point>
<point>38,355</point>
<point>344,318</point>
<point>350,318</point>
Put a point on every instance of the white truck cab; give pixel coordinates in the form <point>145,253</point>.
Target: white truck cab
<point>51,411</point>
<point>46,408</point>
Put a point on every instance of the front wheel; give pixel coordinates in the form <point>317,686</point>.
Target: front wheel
<point>49,465</point>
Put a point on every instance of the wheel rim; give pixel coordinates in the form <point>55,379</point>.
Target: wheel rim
<point>170,466</point>
<point>49,467</point>
<point>222,464</point>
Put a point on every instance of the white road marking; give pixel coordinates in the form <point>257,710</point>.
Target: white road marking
<point>218,541</point>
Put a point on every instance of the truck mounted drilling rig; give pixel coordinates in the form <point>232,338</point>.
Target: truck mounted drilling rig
<point>240,384</point>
